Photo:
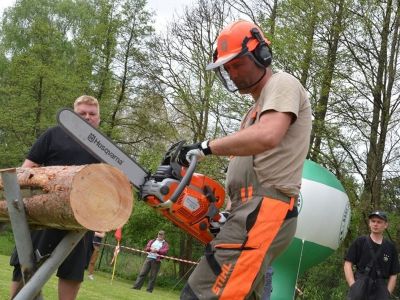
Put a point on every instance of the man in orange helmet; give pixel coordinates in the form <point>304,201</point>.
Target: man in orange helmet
<point>264,177</point>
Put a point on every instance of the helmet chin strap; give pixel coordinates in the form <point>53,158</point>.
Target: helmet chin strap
<point>253,84</point>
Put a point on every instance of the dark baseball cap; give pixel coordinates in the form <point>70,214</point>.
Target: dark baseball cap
<point>378,214</point>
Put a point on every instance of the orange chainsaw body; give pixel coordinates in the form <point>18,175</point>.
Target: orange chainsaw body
<point>194,208</point>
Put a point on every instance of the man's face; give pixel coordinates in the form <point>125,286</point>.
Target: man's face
<point>90,113</point>
<point>160,236</point>
<point>377,225</point>
<point>244,72</point>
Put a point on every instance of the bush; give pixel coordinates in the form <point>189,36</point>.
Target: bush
<point>6,241</point>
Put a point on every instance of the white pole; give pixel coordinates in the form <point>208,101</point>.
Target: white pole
<point>298,268</point>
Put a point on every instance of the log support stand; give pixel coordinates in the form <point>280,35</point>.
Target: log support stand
<point>33,279</point>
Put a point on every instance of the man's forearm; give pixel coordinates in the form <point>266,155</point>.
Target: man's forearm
<point>348,273</point>
<point>29,164</point>
<point>391,283</point>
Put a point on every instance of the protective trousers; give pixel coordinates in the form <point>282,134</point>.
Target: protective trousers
<point>262,224</point>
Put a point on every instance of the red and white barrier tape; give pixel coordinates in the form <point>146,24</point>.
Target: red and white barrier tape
<point>145,252</point>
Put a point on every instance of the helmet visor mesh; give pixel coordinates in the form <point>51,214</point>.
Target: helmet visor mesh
<point>226,80</point>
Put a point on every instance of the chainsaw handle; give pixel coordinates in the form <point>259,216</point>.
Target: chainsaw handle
<point>181,186</point>
<point>185,180</point>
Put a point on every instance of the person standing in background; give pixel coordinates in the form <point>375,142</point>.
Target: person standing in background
<point>268,284</point>
<point>97,239</point>
<point>376,261</point>
<point>152,264</point>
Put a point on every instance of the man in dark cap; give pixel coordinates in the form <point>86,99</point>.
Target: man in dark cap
<point>376,261</point>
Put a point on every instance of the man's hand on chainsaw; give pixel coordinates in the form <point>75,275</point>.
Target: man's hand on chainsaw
<point>198,149</point>
<point>215,226</point>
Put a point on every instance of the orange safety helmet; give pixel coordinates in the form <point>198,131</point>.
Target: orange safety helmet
<point>238,38</point>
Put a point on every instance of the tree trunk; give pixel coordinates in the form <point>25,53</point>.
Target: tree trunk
<point>186,252</point>
<point>97,197</point>
<point>319,130</point>
<point>371,195</point>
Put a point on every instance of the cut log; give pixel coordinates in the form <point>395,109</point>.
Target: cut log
<point>96,197</point>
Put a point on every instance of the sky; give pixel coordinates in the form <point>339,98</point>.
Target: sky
<point>5,3</point>
<point>165,9</point>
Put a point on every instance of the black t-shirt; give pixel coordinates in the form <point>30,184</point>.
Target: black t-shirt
<point>55,148</point>
<point>360,255</point>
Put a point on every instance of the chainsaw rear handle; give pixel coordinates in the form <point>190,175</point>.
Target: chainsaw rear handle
<point>184,182</point>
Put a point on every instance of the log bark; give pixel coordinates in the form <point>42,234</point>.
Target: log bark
<point>96,197</point>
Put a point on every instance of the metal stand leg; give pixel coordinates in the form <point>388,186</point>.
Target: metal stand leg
<point>33,279</point>
<point>22,236</point>
<point>43,274</point>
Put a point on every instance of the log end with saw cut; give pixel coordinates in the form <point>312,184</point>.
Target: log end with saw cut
<point>97,197</point>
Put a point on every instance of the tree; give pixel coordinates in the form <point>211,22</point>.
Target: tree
<point>263,12</point>
<point>38,57</point>
<point>335,29</point>
<point>372,43</point>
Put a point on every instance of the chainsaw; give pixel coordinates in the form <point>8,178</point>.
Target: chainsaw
<point>189,200</point>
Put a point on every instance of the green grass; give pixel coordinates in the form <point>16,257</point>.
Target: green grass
<point>99,289</point>
<point>6,242</point>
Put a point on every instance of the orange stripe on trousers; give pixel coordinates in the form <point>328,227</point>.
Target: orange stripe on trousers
<point>243,194</point>
<point>250,191</point>
<point>249,261</point>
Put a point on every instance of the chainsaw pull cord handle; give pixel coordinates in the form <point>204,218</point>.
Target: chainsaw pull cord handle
<point>181,186</point>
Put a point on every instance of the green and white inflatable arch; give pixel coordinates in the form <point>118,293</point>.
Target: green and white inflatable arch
<point>324,216</point>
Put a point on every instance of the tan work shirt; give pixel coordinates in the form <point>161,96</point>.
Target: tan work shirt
<point>282,166</point>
